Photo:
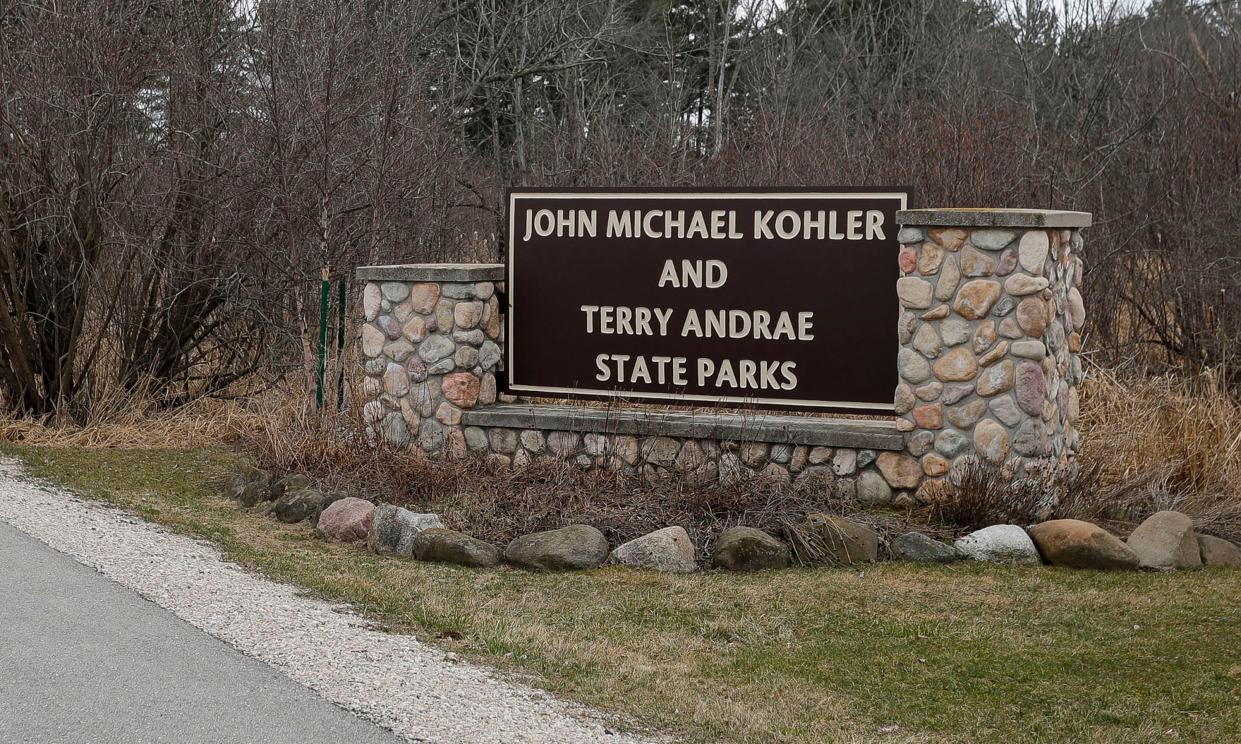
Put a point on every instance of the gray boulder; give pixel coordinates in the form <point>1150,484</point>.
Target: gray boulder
<point>575,546</point>
<point>296,506</point>
<point>1077,544</point>
<point>393,529</point>
<point>919,548</point>
<point>289,484</point>
<point>749,549</point>
<point>1216,551</point>
<point>1166,540</point>
<point>843,543</point>
<point>440,545</point>
<point>669,549</point>
<point>252,493</point>
<point>1001,543</point>
<point>249,485</point>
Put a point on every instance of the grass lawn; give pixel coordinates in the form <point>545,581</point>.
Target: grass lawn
<point>896,652</point>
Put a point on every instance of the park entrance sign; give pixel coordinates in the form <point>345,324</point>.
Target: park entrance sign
<point>762,298</point>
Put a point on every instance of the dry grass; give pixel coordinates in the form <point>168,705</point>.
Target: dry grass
<point>1152,443</point>
<point>134,423</point>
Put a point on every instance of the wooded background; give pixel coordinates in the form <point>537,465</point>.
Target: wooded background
<point>175,173</point>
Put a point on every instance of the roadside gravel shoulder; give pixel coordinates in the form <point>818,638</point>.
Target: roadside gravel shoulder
<point>416,690</point>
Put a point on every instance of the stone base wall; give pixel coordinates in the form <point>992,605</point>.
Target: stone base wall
<point>870,476</point>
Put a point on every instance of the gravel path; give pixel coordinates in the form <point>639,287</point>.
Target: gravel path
<point>413,689</point>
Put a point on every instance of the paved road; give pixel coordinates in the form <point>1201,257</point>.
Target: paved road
<point>83,659</point>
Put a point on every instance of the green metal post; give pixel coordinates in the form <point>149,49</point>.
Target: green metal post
<point>340,345</point>
<point>323,295</point>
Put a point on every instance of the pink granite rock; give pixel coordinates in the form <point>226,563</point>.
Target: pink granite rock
<point>347,520</point>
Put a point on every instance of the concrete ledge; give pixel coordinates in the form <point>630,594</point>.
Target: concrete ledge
<point>992,218</point>
<point>735,427</point>
<point>432,273</point>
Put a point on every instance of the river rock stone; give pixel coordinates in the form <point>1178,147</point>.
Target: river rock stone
<point>996,379</point>
<point>435,347</point>
<point>1029,349</point>
<point>1077,309</point>
<point>1001,543</point>
<point>914,292</point>
<point>975,263</point>
<point>873,489</point>
<point>976,298</point>
<point>912,365</point>
<point>573,547</point>
<point>439,545</point>
<point>930,260</point>
<point>394,292</point>
<point>958,365</point>
<point>992,239</point>
<point>1216,551</point>
<point>393,529</point>
<point>424,297</point>
<point>670,550</point>
<point>1166,540</point>
<point>1032,316</point>
<point>918,548</point>
<point>1078,544</point>
<point>899,470</point>
<point>991,441</point>
<point>1032,250</point>
<point>843,542</point>
<point>371,298</point>
<point>467,314</point>
<point>951,238</point>
<point>949,279</point>
<point>965,415</point>
<point>926,340</point>
<point>347,520</point>
<point>748,549</point>
<point>1031,385</point>
<point>461,388</point>
<point>1020,285</point>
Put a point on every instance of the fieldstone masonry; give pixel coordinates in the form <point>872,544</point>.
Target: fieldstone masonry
<point>989,330</point>
<point>431,344</point>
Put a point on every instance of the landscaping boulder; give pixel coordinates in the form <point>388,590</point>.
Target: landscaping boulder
<point>440,545</point>
<point>394,528</point>
<point>289,484</point>
<point>843,542</point>
<point>1001,543</point>
<point>1166,540</point>
<point>253,493</point>
<point>249,485</point>
<point>347,520</point>
<point>749,549</point>
<point>296,506</point>
<point>575,546</point>
<point>919,548</point>
<point>1078,544</point>
<point>1216,551</point>
<point>669,549</point>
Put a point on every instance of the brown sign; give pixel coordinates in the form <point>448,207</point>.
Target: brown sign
<point>773,299</point>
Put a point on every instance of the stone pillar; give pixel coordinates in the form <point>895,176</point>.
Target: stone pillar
<point>431,344</point>
<point>989,330</point>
